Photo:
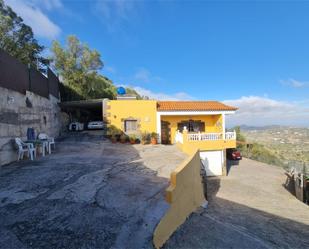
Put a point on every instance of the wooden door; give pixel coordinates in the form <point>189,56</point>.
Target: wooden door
<point>165,132</point>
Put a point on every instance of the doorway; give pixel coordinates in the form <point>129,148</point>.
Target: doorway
<point>165,132</point>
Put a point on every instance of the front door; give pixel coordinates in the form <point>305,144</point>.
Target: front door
<point>165,132</point>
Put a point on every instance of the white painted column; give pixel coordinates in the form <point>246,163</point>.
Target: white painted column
<point>223,126</point>
<point>159,126</point>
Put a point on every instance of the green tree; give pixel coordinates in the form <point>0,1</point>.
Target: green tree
<point>16,38</point>
<point>133,92</point>
<point>78,67</point>
<point>77,64</point>
<point>101,87</point>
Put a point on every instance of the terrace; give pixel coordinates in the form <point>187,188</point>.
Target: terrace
<point>190,141</point>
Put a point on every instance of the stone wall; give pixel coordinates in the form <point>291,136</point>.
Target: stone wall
<point>19,112</point>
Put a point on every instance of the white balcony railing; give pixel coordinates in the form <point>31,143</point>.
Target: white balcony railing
<point>230,135</point>
<point>206,136</point>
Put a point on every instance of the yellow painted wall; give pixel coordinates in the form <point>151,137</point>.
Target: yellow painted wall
<point>209,120</point>
<point>142,110</point>
<point>184,195</point>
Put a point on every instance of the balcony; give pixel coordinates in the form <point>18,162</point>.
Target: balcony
<point>189,142</point>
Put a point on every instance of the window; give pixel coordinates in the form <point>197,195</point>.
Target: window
<point>130,125</point>
<point>192,126</point>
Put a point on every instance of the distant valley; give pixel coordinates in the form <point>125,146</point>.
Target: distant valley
<point>287,143</point>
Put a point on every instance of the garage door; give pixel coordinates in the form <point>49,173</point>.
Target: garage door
<point>212,161</point>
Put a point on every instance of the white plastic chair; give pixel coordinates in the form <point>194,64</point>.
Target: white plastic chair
<point>50,141</point>
<point>44,139</point>
<point>25,147</point>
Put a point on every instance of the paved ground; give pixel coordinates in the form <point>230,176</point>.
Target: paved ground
<point>248,209</point>
<point>89,194</point>
<point>94,194</point>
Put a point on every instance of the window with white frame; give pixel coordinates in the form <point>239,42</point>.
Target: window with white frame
<point>130,125</point>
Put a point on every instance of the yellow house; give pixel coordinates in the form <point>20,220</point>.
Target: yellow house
<point>191,125</point>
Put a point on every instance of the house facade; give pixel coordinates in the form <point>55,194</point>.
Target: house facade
<point>191,125</point>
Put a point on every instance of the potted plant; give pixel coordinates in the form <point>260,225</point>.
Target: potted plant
<point>113,133</point>
<point>145,138</point>
<point>154,138</point>
<point>132,139</point>
<point>114,138</point>
<point>123,138</point>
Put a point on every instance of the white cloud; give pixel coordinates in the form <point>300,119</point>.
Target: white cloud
<point>294,83</point>
<point>114,13</point>
<point>110,69</point>
<point>47,4</point>
<point>259,111</point>
<point>143,75</point>
<point>33,16</point>
<point>162,96</point>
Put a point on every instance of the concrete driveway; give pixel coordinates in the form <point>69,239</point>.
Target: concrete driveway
<point>94,194</point>
<point>89,194</point>
<point>250,208</point>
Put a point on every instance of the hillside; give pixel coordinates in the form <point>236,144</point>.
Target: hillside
<point>287,143</point>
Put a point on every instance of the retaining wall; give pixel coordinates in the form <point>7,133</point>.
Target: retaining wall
<point>185,194</point>
<point>20,111</point>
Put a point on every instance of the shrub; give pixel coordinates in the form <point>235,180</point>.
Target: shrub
<point>260,153</point>
<point>154,135</point>
<point>113,131</point>
<point>123,138</point>
<point>145,138</point>
<point>114,138</point>
<point>133,139</point>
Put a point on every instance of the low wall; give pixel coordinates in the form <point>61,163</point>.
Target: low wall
<point>19,112</point>
<point>185,194</point>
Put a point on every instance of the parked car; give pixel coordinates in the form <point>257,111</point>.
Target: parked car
<point>233,154</point>
<point>95,125</point>
<point>76,126</point>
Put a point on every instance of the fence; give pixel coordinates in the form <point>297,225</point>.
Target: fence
<point>298,167</point>
<point>298,180</point>
<point>16,76</point>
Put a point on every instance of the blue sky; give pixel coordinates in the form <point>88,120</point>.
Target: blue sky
<point>252,54</point>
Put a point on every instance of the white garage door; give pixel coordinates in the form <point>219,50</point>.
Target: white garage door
<point>212,161</point>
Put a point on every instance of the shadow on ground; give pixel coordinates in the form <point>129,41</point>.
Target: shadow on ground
<point>94,194</point>
<point>229,224</point>
<point>230,164</point>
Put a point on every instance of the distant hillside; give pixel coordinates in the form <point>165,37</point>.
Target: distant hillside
<point>269,127</point>
<point>286,143</point>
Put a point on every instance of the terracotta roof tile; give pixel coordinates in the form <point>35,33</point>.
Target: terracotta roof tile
<point>193,106</point>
